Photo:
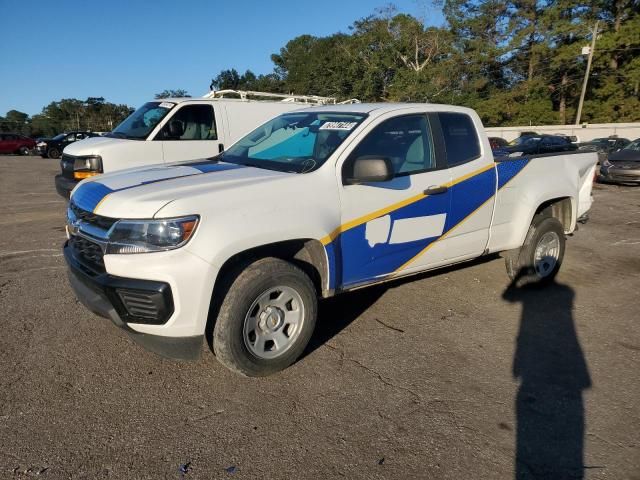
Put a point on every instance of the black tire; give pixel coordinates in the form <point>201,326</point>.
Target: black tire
<point>245,286</point>
<point>53,153</point>
<point>24,151</point>
<point>520,263</point>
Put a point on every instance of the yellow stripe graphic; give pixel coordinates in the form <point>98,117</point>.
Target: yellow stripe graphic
<point>403,203</point>
<point>444,235</point>
<point>100,203</point>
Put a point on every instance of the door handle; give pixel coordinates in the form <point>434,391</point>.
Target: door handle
<point>435,190</point>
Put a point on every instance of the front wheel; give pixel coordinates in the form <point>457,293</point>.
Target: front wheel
<point>53,153</point>
<point>24,151</point>
<point>266,318</point>
<point>538,260</point>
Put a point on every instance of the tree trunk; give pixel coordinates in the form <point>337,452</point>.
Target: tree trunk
<point>563,99</point>
<point>619,8</point>
<point>532,64</point>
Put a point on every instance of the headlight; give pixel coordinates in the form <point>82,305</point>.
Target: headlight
<point>141,236</point>
<point>85,167</point>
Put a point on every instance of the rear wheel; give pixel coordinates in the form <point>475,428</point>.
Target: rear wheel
<point>266,318</point>
<point>53,153</point>
<point>24,151</point>
<point>540,257</point>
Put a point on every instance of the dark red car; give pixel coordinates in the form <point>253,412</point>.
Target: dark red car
<point>14,143</point>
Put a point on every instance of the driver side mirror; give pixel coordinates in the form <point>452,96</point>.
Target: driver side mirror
<point>369,169</point>
<point>176,130</point>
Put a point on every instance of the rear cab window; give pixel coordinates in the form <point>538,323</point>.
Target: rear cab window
<point>461,142</point>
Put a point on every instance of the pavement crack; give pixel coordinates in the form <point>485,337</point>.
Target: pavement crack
<point>390,327</point>
<point>377,374</point>
<point>604,440</point>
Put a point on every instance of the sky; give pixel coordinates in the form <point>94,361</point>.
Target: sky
<point>126,51</point>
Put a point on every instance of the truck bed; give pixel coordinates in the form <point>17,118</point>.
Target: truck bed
<point>528,181</point>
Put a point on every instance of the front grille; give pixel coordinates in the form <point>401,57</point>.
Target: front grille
<point>90,217</point>
<point>88,252</point>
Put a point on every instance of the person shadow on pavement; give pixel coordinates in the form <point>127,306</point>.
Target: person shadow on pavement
<point>553,373</point>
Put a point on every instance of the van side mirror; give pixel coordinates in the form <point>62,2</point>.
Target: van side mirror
<point>370,169</point>
<point>176,130</point>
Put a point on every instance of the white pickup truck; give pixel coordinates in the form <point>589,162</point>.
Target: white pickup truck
<point>171,130</point>
<point>313,203</point>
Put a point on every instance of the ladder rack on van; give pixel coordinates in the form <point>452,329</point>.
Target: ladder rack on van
<point>244,94</point>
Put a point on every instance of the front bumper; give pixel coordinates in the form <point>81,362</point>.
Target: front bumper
<point>65,185</point>
<point>103,295</point>
<point>619,175</point>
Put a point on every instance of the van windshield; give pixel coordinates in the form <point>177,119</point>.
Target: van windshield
<point>140,123</point>
<point>294,142</point>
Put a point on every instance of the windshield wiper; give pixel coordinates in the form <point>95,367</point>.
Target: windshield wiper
<point>123,135</point>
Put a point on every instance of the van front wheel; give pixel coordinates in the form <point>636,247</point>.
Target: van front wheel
<point>266,318</point>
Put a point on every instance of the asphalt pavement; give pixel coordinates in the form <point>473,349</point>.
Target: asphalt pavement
<point>450,375</point>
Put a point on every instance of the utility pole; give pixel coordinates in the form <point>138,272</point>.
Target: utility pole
<point>594,34</point>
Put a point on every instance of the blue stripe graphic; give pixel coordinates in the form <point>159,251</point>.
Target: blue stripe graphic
<point>208,166</point>
<point>353,261</point>
<point>507,169</point>
<point>88,195</point>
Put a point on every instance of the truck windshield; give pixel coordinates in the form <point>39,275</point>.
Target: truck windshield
<point>294,142</point>
<point>635,145</point>
<point>140,123</point>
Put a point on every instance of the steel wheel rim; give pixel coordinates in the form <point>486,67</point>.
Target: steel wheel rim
<point>547,254</point>
<point>273,322</point>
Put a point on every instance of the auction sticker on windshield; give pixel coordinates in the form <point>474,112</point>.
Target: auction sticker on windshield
<point>338,125</point>
<point>167,105</point>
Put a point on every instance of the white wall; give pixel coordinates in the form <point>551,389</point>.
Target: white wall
<point>584,132</point>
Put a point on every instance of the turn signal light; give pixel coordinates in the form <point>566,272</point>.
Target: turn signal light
<point>78,175</point>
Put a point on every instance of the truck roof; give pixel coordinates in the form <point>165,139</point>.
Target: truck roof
<point>381,108</point>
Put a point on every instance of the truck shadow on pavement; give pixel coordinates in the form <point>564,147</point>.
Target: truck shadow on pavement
<point>550,365</point>
<point>337,313</point>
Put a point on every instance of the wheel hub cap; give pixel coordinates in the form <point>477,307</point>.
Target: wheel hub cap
<point>273,322</point>
<point>547,254</point>
<point>271,319</point>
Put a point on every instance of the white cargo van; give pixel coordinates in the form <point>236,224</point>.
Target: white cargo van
<point>174,129</point>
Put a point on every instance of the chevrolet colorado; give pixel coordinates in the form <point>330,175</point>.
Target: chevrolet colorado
<point>313,203</point>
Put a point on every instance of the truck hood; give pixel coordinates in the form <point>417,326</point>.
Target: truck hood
<point>96,145</point>
<point>142,192</point>
<point>625,155</point>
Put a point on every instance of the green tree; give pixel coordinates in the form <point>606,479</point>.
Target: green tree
<point>514,61</point>
<point>232,80</point>
<point>15,121</point>
<point>614,85</point>
<point>178,93</point>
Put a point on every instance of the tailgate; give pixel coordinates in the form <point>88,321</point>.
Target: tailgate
<point>585,184</point>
